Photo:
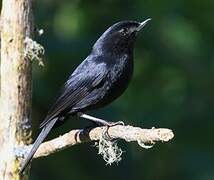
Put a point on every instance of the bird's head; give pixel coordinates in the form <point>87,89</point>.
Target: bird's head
<point>120,37</point>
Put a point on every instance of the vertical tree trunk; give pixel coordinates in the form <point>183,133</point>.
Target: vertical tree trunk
<point>15,100</point>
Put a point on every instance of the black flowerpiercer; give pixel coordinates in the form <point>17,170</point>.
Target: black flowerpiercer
<point>97,81</point>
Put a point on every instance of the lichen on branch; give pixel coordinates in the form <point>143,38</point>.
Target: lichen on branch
<point>143,137</point>
<point>33,50</point>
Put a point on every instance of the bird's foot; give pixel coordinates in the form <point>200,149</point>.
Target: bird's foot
<point>111,124</point>
<point>101,122</point>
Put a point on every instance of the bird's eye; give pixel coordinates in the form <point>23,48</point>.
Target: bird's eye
<point>124,31</point>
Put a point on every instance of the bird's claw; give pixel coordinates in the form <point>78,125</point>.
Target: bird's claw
<point>116,123</point>
<point>111,124</point>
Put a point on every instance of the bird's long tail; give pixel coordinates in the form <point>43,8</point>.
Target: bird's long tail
<point>43,134</point>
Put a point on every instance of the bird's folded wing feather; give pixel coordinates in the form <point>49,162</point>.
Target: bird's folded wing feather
<point>78,86</point>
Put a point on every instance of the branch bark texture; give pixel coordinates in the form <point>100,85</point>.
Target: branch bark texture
<point>127,133</point>
<point>15,102</point>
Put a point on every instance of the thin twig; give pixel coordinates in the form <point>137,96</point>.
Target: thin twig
<point>127,133</point>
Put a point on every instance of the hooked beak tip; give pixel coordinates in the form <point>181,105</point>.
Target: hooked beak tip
<point>142,24</point>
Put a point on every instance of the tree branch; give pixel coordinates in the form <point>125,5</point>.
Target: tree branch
<point>127,133</point>
<point>16,24</point>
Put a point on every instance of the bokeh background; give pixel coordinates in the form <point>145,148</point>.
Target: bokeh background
<point>172,86</point>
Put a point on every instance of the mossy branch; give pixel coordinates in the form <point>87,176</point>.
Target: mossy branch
<point>127,133</point>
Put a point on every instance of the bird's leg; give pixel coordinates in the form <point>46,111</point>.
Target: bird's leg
<point>101,122</point>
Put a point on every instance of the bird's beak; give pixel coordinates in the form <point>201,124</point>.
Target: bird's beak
<point>142,24</point>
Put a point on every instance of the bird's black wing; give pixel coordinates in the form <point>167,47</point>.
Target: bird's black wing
<point>83,80</point>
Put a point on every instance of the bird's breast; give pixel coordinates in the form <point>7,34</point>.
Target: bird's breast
<point>118,77</point>
<point>121,72</point>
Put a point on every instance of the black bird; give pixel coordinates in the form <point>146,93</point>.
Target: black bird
<point>97,81</point>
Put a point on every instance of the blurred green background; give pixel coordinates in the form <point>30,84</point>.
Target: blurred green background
<point>172,86</point>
